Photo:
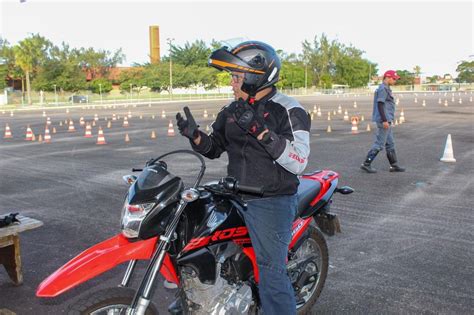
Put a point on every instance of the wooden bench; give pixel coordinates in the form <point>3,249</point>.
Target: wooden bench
<point>10,246</point>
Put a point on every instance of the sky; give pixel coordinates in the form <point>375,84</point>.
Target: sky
<point>436,35</point>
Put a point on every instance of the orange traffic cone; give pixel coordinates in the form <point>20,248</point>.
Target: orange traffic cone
<point>40,138</point>
<point>71,126</point>
<point>354,128</point>
<point>47,136</point>
<point>163,114</point>
<point>33,137</point>
<point>96,117</point>
<point>81,121</point>
<point>114,117</point>
<point>125,121</point>
<point>29,134</point>
<point>153,134</point>
<point>61,123</point>
<point>109,124</point>
<point>48,121</point>
<point>100,137</point>
<point>329,129</point>
<point>88,133</point>
<point>93,123</point>
<point>54,129</point>
<point>368,127</point>
<point>8,132</point>
<point>170,129</point>
<point>127,138</point>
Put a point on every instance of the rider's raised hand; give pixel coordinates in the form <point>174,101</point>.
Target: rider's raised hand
<point>187,127</point>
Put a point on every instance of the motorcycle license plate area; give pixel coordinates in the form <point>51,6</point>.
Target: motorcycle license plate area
<point>328,223</point>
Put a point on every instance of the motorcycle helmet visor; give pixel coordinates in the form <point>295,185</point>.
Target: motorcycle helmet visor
<point>222,59</point>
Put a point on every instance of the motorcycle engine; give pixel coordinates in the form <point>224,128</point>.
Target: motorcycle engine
<point>219,298</point>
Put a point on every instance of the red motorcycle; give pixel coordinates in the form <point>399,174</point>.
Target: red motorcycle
<point>197,239</point>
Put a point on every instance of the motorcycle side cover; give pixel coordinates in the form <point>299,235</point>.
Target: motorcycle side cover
<point>100,258</point>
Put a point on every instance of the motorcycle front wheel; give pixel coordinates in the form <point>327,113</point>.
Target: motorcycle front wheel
<point>108,301</point>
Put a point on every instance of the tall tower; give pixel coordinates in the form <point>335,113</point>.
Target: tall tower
<point>154,44</point>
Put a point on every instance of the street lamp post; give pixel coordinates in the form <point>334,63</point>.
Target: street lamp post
<point>100,91</point>
<point>55,95</point>
<point>170,42</point>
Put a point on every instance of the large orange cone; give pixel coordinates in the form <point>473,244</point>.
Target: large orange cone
<point>88,133</point>
<point>100,137</point>
<point>8,132</point>
<point>29,134</point>
<point>170,129</point>
<point>448,155</point>
<point>71,126</point>
<point>125,121</point>
<point>47,136</point>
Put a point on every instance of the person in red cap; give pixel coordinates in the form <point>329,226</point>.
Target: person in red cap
<point>384,115</point>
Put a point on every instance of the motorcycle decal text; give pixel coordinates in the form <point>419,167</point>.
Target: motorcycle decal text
<point>217,236</point>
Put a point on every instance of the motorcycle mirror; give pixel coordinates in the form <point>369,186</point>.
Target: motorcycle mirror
<point>345,190</point>
<point>129,179</point>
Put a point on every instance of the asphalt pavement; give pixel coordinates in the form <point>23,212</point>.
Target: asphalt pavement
<point>406,245</point>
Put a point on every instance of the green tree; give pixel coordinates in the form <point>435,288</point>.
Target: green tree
<point>417,71</point>
<point>100,85</point>
<point>466,72</point>
<point>98,63</point>
<point>29,54</point>
<point>132,79</point>
<point>196,53</point>
<point>406,77</point>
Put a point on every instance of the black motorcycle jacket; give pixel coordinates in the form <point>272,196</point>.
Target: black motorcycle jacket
<point>273,163</point>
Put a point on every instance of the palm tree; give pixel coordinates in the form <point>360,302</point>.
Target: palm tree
<point>417,70</point>
<point>29,53</point>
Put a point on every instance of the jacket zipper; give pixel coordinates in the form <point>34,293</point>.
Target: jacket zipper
<point>242,177</point>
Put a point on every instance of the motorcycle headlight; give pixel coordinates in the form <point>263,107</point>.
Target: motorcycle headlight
<point>132,217</point>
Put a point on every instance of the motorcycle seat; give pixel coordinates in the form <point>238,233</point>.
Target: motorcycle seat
<point>307,190</point>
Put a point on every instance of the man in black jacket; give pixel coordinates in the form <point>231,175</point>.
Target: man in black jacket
<point>266,137</point>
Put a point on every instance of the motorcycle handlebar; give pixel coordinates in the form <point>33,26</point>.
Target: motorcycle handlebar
<point>249,189</point>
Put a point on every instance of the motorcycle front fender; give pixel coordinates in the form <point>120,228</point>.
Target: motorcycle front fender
<point>100,258</point>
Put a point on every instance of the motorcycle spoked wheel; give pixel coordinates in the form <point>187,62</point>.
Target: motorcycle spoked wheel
<point>107,301</point>
<point>314,246</point>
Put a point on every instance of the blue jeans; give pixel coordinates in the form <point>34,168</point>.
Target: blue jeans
<point>383,138</point>
<point>269,222</point>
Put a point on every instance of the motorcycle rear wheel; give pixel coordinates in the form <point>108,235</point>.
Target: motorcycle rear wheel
<point>107,301</point>
<point>315,245</point>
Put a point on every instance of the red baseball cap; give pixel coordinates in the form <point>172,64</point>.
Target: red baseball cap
<point>391,74</point>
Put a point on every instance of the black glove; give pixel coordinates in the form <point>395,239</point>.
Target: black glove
<point>248,119</point>
<point>187,127</point>
<point>8,219</point>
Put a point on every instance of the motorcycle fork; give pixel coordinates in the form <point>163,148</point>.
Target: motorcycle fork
<point>147,288</point>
